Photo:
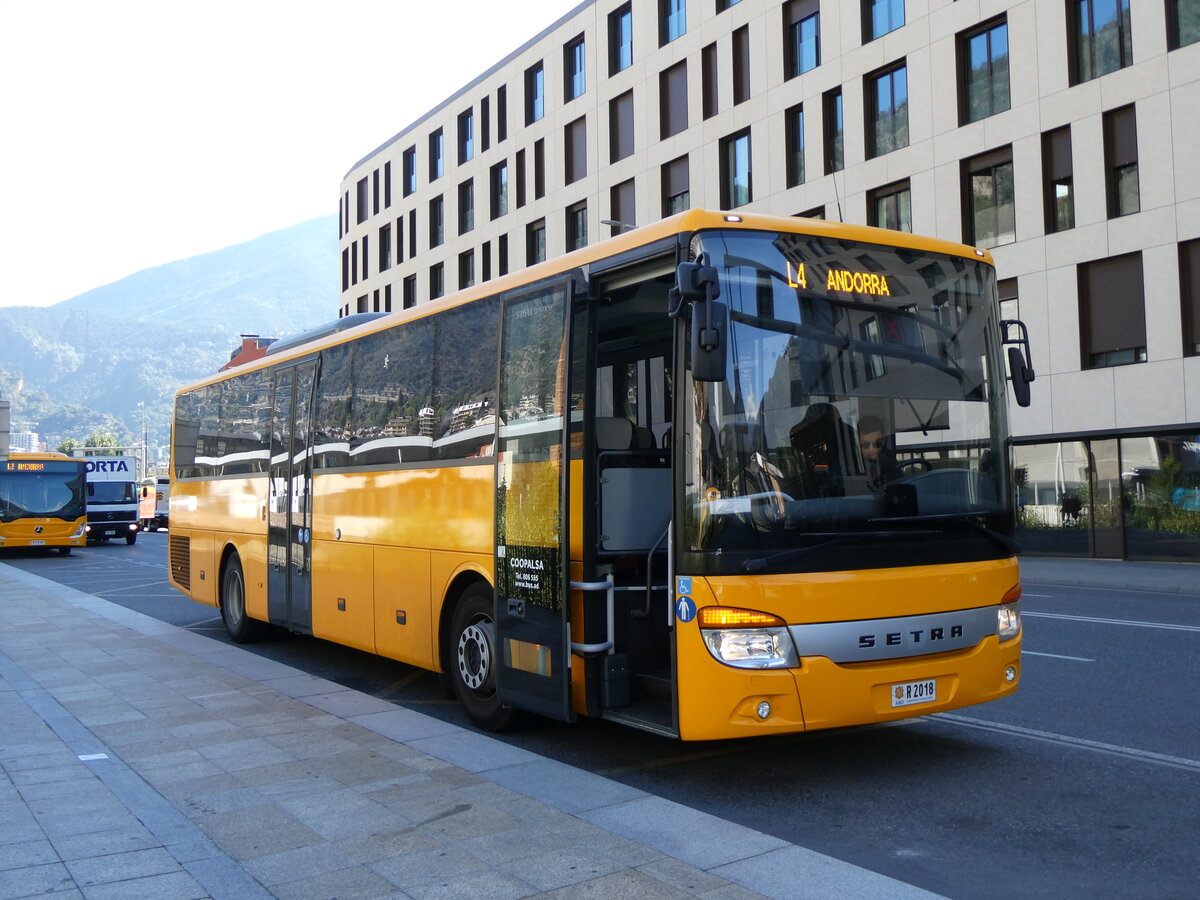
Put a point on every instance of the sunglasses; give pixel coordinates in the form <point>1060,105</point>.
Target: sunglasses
<point>867,445</point>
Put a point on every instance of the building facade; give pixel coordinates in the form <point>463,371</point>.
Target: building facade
<point>1059,134</point>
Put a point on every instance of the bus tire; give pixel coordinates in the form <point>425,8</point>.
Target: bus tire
<point>242,629</point>
<point>64,551</point>
<point>473,660</point>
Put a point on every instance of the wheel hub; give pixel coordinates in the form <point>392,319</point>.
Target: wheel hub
<point>474,655</point>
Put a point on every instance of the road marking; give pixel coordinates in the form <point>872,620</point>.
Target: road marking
<point>1146,756</point>
<point>1099,621</point>
<point>1042,596</point>
<point>1056,656</point>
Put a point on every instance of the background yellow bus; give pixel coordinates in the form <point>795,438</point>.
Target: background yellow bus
<point>43,502</point>
<point>637,482</point>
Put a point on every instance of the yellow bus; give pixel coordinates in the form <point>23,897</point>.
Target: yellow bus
<point>43,502</point>
<point>720,476</point>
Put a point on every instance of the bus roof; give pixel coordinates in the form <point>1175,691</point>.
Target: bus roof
<point>684,223</point>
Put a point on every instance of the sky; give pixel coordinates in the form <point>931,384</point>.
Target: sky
<point>136,133</point>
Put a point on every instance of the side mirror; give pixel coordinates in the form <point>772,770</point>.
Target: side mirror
<point>710,332</point>
<point>697,280</point>
<point>1020,367</point>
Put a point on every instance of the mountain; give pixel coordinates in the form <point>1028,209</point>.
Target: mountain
<point>85,363</point>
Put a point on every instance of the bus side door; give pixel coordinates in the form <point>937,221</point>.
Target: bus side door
<point>531,512</point>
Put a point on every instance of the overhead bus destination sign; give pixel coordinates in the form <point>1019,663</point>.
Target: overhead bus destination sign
<point>843,281</point>
<point>50,466</point>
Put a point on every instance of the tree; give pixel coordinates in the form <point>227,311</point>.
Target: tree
<point>67,445</point>
<point>100,439</point>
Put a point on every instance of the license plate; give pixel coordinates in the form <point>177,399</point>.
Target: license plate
<point>37,543</point>
<point>910,693</point>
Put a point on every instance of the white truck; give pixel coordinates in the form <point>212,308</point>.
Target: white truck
<point>112,497</point>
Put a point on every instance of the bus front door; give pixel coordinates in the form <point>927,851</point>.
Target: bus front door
<point>289,502</point>
<point>532,468</point>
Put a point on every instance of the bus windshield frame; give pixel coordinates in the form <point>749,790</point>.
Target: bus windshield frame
<point>862,420</point>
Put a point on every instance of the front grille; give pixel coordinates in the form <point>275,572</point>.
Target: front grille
<point>108,516</point>
<point>181,561</point>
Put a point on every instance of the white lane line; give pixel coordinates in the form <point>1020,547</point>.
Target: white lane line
<point>1146,756</point>
<point>1099,621</point>
<point>1042,596</point>
<point>1025,652</point>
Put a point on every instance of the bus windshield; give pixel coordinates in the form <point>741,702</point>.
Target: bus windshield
<point>861,423</point>
<point>55,492</point>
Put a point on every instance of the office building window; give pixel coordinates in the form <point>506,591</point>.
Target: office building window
<point>1121,161</point>
<point>539,169</point>
<point>502,255</point>
<point>881,16</point>
<point>485,123</point>
<point>466,269</point>
<point>575,150</point>
<point>360,197</point>
<point>794,144</point>
<point>621,206</point>
<point>1189,294</point>
<point>366,257</point>
<point>412,233</point>
<point>817,212</point>
<point>436,164</point>
<point>708,81</point>
<point>736,187</point>
<point>741,65</point>
<point>501,114</point>
<point>410,170</point>
<point>410,292</point>
<point>723,5</point>
<point>1112,311</point>
<point>387,185</point>
<point>672,100</point>
<point>437,281</point>
<point>520,178</point>
<point>672,20</point>
<point>801,37</point>
<point>375,193</point>
<point>354,263</point>
<point>535,242</point>
<point>886,94</point>
<point>574,73</point>
<point>620,39</point>
<point>466,136</point>
<point>535,93</point>
<point>1183,23</point>
<point>485,261</point>
<point>576,226</point>
<point>387,298</point>
<point>499,189</point>
<point>1100,40</point>
<point>983,72</point>
<point>676,193</point>
<point>466,206</point>
<point>1058,180</point>
<point>620,127</point>
<point>363,304</point>
<point>1010,304</point>
<point>346,269</point>
<point>891,207</point>
<point>399,239</point>
<point>436,221</point>
<point>385,247</point>
<point>831,113</point>
<point>989,217</point>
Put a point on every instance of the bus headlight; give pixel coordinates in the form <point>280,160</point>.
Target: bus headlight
<point>79,532</point>
<point>747,639</point>
<point>1008,621</point>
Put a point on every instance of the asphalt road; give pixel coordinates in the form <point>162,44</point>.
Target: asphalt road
<point>1085,784</point>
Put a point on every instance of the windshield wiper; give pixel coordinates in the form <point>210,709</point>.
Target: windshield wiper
<point>967,519</point>
<point>835,537</point>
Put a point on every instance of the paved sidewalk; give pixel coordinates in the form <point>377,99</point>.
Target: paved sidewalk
<point>140,760</point>
<point>1167,577</point>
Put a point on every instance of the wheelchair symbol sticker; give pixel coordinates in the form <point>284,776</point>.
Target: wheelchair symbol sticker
<point>683,584</point>
<point>685,609</point>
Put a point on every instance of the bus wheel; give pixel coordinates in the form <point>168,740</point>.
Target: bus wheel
<point>242,628</point>
<point>65,551</point>
<point>473,661</point>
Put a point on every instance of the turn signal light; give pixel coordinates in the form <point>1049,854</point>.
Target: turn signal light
<point>730,617</point>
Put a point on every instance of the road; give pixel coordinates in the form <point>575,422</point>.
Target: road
<point>1085,784</point>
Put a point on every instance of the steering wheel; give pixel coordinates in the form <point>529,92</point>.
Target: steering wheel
<point>920,464</point>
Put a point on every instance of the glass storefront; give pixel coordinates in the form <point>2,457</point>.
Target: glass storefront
<point>1133,497</point>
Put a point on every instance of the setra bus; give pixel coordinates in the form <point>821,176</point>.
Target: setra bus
<point>43,502</point>
<point>720,476</point>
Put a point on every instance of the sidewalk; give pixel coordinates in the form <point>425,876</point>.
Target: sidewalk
<point>1167,577</point>
<point>140,760</point>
